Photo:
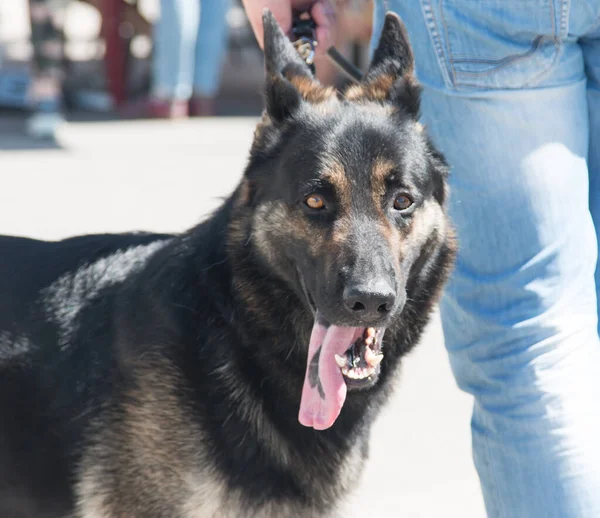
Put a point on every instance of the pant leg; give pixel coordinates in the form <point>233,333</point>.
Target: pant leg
<point>211,47</point>
<point>591,52</point>
<point>174,47</point>
<point>505,100</point>
<point>47,39</point>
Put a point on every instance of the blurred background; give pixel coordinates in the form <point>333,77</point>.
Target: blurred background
<point>117,58</point>
<point>115,116</point>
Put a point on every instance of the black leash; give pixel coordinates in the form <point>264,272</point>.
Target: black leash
<point>345,65</point>
<point>305,42</point>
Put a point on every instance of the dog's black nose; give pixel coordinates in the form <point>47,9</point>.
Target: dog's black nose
<point>369,302</point>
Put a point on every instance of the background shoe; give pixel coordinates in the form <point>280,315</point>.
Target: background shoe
<point>202,106</point>
<point>153,108</point>
<point>167,109</point>
<point>45,120</point>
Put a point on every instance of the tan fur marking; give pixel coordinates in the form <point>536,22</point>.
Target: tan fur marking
<point>376,90</point>
<point>149,456</point>
<point>243,193</point>
<point>334,172</point>
<point>380,172</point>
<point>382,169</point>
<point>259,131</point>
<point>312,91</point>
<point>274,220</point>
<point>341,231</point>
<point>428,219</point>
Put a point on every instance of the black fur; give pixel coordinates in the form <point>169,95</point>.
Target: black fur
<point>202,337</point>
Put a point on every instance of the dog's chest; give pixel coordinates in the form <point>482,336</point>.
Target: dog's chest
<point>210,497</point>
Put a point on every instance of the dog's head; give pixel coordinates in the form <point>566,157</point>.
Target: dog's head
<point>347,197</point>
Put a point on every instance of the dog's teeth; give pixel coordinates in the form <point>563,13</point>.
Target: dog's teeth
<point>369,340</point>
<point>352,374</point>
<point>341,361</point>
<point>345,371</point>
<point>375,359</point>
<point>369,354</point>
<point>370,332</point>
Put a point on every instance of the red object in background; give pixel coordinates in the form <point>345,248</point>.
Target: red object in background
<point>115,58</point>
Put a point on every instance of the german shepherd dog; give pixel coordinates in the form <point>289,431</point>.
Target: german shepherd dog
<point>234,370</point>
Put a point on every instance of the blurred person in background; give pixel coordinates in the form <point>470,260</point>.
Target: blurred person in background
<point>190,43</point>
<point>47,19</point>
<point>45,94</point>
<point>512,98</point>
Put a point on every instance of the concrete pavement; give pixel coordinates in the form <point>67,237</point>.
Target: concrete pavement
<point>162,176</point>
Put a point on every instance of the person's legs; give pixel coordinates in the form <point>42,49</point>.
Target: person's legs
<point>591,53</point>
<point>174,46</point>
<point>45,94</point>
<point>211,46</point>
<point>505,100</point>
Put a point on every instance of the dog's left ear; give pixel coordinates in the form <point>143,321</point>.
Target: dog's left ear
<point>391,76</point>
<point>282,62</point>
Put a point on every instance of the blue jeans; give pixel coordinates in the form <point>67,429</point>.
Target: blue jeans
<point>512,98</point>
<point>190,42</point>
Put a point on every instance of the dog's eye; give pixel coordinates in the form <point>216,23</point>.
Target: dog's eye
<point>314,201</point>
<point>402,202</point>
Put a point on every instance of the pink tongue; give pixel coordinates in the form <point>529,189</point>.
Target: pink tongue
<point>324,390</point>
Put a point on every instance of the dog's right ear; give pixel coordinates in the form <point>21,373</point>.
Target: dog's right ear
<point>391,76</point>
<point>282,62</point>
<point>393,55</point>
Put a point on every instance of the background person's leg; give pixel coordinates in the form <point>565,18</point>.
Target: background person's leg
<point>520,312</point>
<point>174,47</point>
<point>45,95</point>
<point>211,47</point>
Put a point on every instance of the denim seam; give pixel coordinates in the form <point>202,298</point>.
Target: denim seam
<point>594,27</point>
<point>447,36</point>
<point>557,31</point>
<point>564,18</point>
<point>513,58</point>
<point>498,503</point>
<point>509,60</point>
<point>436,41</point>
<point>500,63</point>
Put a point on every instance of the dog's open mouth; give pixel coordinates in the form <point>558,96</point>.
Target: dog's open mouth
<point>360,363</point>
<point>339,358</point>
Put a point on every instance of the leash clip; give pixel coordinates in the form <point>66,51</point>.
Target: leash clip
<point>304,34</point>
<point>306,49</point>
<point>304,31</point>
